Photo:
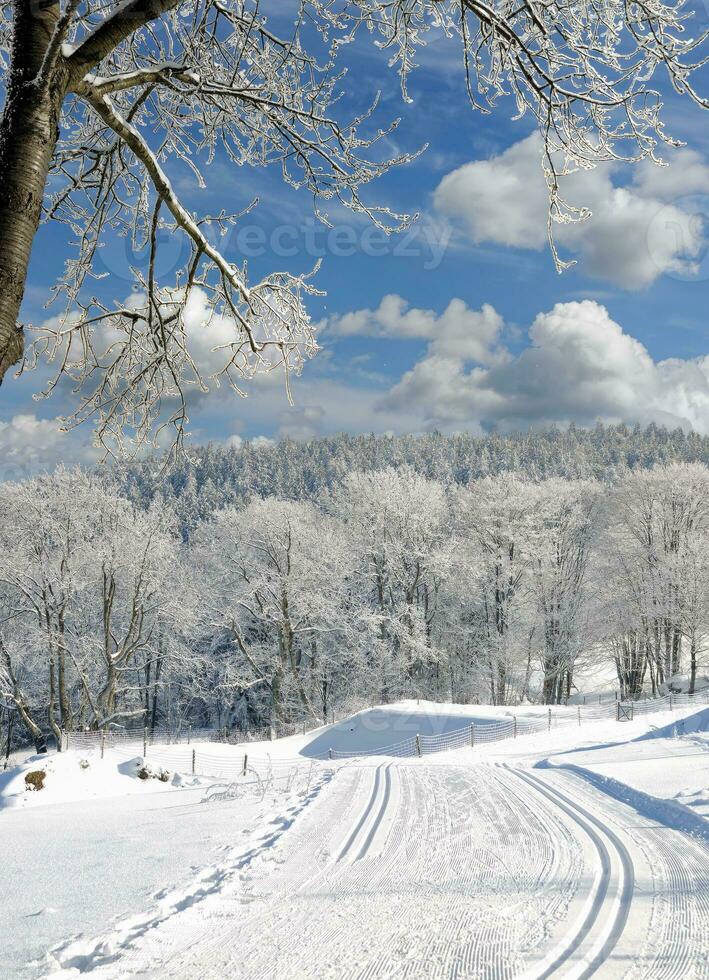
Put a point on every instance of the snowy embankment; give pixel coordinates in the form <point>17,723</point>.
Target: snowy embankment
<point>670,762</point>
<point>76,775</point>
<point>130,845</point>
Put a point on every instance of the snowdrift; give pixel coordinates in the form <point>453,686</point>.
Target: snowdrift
<point>695,723</point>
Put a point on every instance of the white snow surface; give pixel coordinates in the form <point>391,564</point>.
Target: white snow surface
<point>579,851</point>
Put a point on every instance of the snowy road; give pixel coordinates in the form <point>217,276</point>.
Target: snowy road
<point>407,869</point>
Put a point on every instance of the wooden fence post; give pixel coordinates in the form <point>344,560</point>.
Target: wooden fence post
<point>549,726</point>
<point>472,736</point>
<point>514,730</point>
<point>194,761</point>
<point>329,753</point>
<point>579,711</point>
<point>670,702</point>
<point>246,759</point>
<point>418,746</point>
<point>145,742</point>
<point>617,711</point>
<point>103,741</point>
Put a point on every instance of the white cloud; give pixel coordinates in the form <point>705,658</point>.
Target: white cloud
<point>635,232</point>
<point>501,200</point>
<point>208,334</point>
<point>472,334</point>
<point>29,445</point>
<point>581,366</point>
<point>687,174</point>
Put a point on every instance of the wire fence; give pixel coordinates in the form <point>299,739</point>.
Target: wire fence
<point>222,761</point>
<point>186,735</point>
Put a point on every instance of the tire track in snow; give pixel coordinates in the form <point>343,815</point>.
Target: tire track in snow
<point>213,956</point>
<point>442,875</point>
<point>346,877</point>
<point>599,931</point>
<point>679,928</point>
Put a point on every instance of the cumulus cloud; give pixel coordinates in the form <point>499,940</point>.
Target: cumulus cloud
<point>635,233</point>
<point>458,330</point>
<point>580,366</point>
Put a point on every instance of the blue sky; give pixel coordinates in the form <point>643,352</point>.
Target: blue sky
<point>623,334</point>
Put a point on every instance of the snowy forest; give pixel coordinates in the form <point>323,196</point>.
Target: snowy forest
<point>486,570</point>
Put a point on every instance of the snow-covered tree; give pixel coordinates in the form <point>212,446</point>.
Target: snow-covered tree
<point>277,586</point>
<point>492,518</point>
<point>564,523</point>
<point>277,612</point>
<point>89,581</point>
<point>654,551</point>
<point>396,522</point>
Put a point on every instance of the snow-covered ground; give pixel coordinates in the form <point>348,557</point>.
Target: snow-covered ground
<point>122,846</point>
<point>579,850</point>
<point>72,776</point>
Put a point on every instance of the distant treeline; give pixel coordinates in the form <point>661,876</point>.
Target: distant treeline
<point>213,476</point>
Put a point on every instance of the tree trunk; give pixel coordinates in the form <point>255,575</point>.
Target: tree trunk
<point>67,715</point>
<point>154,713</point>
<point>8,748</point>
<point>693,663</point>
<point>106,700</point>
<point>276,687</point>
<point>28,134</point>
<point>51,710</point>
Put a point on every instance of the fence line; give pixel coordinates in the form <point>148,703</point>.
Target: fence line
<point>190,757</point>
<point>189,735</point>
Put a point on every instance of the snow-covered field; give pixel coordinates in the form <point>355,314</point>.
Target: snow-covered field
<point>576,851</point>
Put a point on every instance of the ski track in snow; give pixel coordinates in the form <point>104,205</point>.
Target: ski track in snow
<point>405,870</point>
<point>671,939</point>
